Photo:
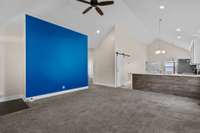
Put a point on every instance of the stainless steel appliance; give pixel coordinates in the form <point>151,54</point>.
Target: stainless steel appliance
<point>184,66</point>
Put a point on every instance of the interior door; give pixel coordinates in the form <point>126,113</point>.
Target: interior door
<point>120,70</point>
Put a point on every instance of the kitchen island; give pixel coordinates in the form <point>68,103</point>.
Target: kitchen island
<point>177,84</point>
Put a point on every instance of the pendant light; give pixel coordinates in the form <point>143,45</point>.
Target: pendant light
<point>159,50</point>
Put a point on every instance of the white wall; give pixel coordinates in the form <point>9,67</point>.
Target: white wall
<point>172,51</point>
<point>64,13</point>
<point>130,45</point>
<point>104,62</point>
<point>90,63</point>
<point>12,67</point>
<point>1,70</point>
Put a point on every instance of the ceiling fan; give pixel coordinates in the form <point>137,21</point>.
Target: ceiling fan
<point>95,4</point>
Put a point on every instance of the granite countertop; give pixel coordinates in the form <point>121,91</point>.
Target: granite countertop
<point>179,75</point>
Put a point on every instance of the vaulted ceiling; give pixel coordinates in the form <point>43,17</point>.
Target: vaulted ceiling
<point>182,14</point>
<point>139,16</point>
<point>68,13</point>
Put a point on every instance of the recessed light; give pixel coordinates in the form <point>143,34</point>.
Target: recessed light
<point>179,37</point>
<point>98,32</point>
<point>162,7</point>
<point>178,29</point>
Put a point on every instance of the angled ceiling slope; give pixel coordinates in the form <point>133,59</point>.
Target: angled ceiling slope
<point>177,14</point>
<point>67,13</point>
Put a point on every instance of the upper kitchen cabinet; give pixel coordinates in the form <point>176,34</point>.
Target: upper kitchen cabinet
<point>195,51</point>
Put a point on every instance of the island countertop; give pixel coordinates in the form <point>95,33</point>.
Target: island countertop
<point>177,84</point>
<point>158,74</point>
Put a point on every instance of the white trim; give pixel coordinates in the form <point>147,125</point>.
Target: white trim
<point>31,99</point>
<point>10,98</point>
<point>127,83</point>
<point>24,37</point>
<point>103,84</point>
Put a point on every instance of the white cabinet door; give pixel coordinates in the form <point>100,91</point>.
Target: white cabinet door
<point>195,51</point>
<point>192,52</point>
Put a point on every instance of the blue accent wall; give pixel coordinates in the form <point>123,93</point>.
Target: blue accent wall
<point>56,58</point>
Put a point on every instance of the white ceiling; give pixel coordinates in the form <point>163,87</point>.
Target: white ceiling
<point>182,14</point>
<point>139,16</point>
<point>67,13</point>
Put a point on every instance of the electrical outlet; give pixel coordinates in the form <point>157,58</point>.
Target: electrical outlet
<point>63,87</point>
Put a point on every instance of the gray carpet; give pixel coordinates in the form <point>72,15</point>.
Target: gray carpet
<point>106,110</point>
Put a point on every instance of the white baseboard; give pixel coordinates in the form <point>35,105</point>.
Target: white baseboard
<point>10,98</point>
<point>108,85</point>
<point>128,83</point>
<point>31,99</point>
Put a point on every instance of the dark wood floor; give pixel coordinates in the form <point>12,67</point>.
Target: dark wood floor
<point>12,106</point>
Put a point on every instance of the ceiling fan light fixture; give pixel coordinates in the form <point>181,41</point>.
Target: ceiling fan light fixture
<point>95,4</point>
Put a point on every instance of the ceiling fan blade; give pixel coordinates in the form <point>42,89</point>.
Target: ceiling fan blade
<point>99,11</point>
<point>87,10</point>
<point>84,1</point>
<point>94,1</point>
<point>105,3</point>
